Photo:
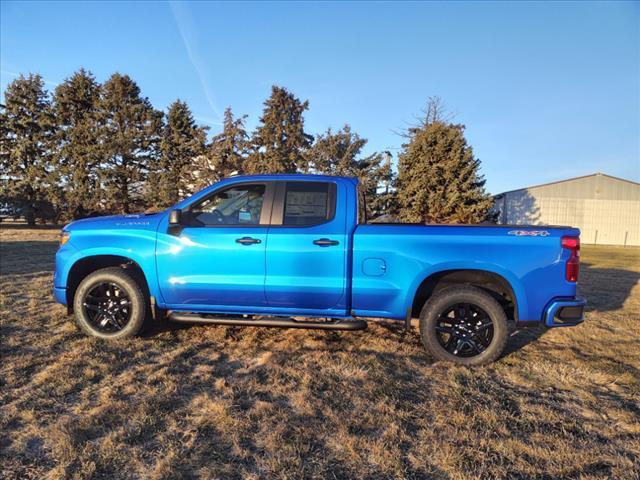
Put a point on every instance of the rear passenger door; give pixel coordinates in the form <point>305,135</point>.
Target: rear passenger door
<point>307,247</point>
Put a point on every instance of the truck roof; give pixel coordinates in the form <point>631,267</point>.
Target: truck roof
<point>293,176</point>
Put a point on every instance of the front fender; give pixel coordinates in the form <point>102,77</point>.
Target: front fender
<point>138,247</point>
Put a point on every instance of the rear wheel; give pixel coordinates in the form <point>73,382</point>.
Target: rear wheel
<point>464,325</point>
<point>110,304</point>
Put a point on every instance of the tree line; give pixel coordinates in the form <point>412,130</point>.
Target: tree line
<point>91,149</point>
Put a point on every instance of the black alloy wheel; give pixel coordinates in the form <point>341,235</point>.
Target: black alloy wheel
<point>108,307</point>
<point>464,330</point>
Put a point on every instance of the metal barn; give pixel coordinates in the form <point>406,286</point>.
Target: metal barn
<point>605,208</point>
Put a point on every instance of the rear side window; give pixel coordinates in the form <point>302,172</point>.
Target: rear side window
<point>308,203</point>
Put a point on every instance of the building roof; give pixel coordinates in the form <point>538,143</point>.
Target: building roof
<point>569,180</point>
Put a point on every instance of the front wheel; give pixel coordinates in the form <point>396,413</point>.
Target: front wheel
<point>109,304</point>
<point>464,325</point>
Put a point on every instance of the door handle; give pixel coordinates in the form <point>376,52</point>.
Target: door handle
<point>248,240</point>
<point>325,242</point>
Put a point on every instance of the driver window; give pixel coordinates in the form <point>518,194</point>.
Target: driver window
<point>240,205</point>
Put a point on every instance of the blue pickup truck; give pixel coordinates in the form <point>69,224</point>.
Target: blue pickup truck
<point>297,251</point>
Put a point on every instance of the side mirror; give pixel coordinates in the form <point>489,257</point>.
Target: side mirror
<point>175,217</point>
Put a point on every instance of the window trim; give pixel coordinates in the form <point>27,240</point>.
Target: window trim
<point>362,205</point>
<point>277,211</point>
<point>265,213</point>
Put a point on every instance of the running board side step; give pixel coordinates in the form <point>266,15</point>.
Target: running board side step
<point>278,322</point>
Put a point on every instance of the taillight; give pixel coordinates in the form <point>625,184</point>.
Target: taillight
<point>573,264</point>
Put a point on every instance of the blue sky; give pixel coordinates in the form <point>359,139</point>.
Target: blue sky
<point>547,90</point>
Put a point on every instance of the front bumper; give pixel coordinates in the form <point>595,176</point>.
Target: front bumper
<point>60,295</point>
<point>564,312</point>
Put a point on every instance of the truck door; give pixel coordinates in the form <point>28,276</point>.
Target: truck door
<point>218,256</point>
<point>307,247</point>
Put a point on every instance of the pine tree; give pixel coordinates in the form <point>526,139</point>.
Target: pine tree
<point>130,134</point>
<point>438,176</point>
<point>227,151</point>
<point>279,143</point>
<point>182,143</point>
<point>27,135</point>
<point>339,154</point>
<point>384,201</point>
<point>336,153</point>
<point>78,153</point>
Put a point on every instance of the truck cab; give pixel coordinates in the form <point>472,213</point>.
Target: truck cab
<point>278,246</point>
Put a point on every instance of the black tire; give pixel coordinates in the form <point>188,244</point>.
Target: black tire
<point>464,325</point>
<point>92,308</point>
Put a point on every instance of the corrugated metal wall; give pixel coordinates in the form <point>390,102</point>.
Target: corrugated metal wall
<point>606,209</point>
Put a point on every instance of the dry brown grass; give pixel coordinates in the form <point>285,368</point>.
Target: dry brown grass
<point>216,402</point>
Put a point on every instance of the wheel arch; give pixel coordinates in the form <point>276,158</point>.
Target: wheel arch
<point>494,283</point>
<point>92,263</point>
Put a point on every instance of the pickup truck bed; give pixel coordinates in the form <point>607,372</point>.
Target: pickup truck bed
<point>524,262</point>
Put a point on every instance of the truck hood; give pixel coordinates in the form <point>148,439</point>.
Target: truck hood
<point>136,221</point>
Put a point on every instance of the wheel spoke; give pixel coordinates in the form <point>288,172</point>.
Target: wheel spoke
<point>484,326</point>
<point>101,319</point>
<point>121,315</point>
<point>459,346</point>
<point>468,312</point>
<point>483,340</point>
<point>116,322</point>
<point>475,346</point>
<point>448,330</point>
<point>450,343</point>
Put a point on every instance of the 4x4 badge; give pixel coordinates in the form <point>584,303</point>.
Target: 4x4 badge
<point>529,233</point>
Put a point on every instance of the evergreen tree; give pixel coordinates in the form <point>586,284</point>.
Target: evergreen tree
<point>279,143</point>
<point>26,139</point>
<point>339,154</point>
<point>78,153</point>
<point>130,134</point>
<point>227,151</point>
<point>438,176</point>
<point>182,143</point>
<point>385,199</point>
<point>336,153</point>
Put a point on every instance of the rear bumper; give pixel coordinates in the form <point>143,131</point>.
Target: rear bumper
<point>564,312</point>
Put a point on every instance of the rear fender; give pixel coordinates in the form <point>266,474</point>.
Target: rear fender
<point>512,280</point>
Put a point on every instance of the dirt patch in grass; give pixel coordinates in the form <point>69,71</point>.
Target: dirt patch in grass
<point>218,402</point>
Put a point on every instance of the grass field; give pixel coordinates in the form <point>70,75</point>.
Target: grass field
<point>217,402</point>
